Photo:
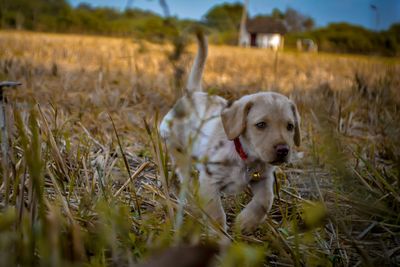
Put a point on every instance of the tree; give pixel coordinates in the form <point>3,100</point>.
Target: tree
<point>297,22</point>
<point>277,14</point>
<point>224,17</point>
<point>308,24</point>
<point>394,30</point>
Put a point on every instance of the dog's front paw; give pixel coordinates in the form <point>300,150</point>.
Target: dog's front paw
<point>247,221</point>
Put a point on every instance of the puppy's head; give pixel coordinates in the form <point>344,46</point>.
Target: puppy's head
<point>268,123</point>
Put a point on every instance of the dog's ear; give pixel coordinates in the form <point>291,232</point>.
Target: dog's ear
<point>234,118</point>
<point>297,135</point>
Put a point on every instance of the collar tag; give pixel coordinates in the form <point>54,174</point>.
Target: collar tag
<point>255,171</point>
<point>255,177</point>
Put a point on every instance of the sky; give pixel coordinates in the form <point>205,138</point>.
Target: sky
<point>357,12</point>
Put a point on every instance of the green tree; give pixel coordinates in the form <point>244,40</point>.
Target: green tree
<point>224,17</point>
<point>277,14</point>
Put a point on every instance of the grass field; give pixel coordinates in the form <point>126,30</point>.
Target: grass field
<point>77,133</point>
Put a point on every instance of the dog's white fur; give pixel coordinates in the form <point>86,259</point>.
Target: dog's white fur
<point>204,126</point>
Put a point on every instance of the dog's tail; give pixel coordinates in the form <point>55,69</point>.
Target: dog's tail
<point>196,73</point>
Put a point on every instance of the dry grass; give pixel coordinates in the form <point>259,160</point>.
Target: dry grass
<point>70,200</point>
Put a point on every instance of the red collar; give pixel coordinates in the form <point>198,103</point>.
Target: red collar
<point>239,149</point>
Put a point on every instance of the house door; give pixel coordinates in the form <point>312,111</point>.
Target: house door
<point>253,39</point>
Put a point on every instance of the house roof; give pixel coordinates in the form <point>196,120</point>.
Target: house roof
<point>265,25</point>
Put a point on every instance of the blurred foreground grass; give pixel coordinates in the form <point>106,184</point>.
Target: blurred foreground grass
<point>77,134</point>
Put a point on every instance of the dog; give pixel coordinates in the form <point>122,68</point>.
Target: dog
<point>234,144</point>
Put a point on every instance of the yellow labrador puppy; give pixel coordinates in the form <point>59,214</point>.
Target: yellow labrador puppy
<point>234,144</point>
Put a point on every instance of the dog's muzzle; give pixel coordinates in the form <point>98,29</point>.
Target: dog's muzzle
<point>281,154</point>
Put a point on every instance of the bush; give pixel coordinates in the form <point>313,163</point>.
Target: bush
<point>346,38</point>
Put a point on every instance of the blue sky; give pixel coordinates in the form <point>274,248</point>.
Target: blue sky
<point>323,11</point>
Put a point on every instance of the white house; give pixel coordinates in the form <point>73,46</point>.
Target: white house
<point>264,32</point>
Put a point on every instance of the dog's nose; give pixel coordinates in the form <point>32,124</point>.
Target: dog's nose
<point>282,150</point>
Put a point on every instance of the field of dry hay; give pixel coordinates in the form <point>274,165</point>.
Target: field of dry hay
<point>77,133</point>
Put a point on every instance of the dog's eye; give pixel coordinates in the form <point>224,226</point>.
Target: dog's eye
<point>290,127</point>
<point>261,125</point>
